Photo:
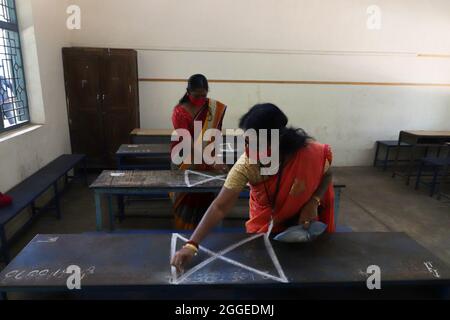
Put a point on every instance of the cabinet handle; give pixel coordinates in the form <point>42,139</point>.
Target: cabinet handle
<point>103,97</point>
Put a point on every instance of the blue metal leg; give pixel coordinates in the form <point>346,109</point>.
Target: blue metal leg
<point>434,181</point>
<point>337,200</point>
<point>4,249</point>
<point>110,213</point>
<point>121,206</point>
<point>98,211</point>
<point>85,171</point>
<point>56,200</point>
<point>419,174</point>
<point>375,160</point>
<point>386,159</point>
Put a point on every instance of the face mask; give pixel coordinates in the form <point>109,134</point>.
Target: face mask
<point>197,102</point>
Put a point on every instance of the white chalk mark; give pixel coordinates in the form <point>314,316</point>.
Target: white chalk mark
<point>220,255</point>
<point>274,258</point>
<point>214,255</point>
<point>226,147</point>
<point>117,174</point>
<point>49,240</point>
<point>431,269</point>
<point>173,248</point>
<point>207,176</point>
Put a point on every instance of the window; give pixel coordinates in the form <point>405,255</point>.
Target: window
<point>13,96</point>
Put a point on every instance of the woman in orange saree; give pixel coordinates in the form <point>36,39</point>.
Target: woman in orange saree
<point>299,192</point>
<point>189,208</point>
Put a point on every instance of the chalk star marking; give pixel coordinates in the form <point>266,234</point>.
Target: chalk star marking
<point>220,255</point>
<point>207,177</point>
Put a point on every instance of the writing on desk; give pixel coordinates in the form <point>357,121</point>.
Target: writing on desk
<point>48,273</point>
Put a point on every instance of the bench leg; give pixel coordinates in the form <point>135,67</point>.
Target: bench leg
<point>98,211</point>
<point>375,160</point>
<point>110,213</point>
<point>434,181</point>
<point>386,159</point>
<point>419,175</point>
<point>121,206</point>
<point>85,171</point>
<point>5,247</point>
<point>58,209</point>
<point>337,200</point>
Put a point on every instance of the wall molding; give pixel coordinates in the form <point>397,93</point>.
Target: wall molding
<point>303,82</point>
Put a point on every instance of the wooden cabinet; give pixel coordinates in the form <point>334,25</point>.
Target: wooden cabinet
<point>102,101</point>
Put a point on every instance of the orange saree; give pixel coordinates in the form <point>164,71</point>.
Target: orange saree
<point>301,177</point>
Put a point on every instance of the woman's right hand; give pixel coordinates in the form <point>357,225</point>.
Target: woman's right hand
<point>181,258</point>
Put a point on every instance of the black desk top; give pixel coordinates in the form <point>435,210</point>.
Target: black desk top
<point>142,261</point>
<point>183,180</point>
<point>146,149</point>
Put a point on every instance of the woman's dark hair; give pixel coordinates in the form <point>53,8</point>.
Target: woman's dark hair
<point>197,81</point>
<point>269,116</point>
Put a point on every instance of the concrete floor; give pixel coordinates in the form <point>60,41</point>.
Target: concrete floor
<point>372,201</point>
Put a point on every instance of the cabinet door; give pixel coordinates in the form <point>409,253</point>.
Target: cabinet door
<point>82,82</point>
<point>120,114</point>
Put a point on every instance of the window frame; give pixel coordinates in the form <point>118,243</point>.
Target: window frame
<point>14,27</point>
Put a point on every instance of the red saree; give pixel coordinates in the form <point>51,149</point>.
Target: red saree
<point>300,179</point>
<point>189,208</point>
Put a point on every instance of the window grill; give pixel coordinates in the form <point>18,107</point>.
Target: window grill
<point>13,96</point>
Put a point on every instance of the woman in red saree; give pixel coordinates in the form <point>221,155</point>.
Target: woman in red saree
<point>299,192</point>
<point>189,208</point>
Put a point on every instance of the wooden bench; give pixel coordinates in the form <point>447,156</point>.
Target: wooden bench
<point>25,193</point>
<point>388,145</point>
<point>127,182</point>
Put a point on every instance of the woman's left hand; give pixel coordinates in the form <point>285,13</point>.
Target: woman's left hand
<point>308,213</point>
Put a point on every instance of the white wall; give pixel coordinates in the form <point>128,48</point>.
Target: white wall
<point>43,33</point>
<point>313,40</point>
<point>319,40</point>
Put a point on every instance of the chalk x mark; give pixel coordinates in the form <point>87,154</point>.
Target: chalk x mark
<point>207,177</point>
<point>49,240</point>
<point>226,147</point>
<point>220,255</point>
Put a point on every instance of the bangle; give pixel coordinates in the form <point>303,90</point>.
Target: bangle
<point>192,247</point>
<point>195,244</point>
<point>317,199</point>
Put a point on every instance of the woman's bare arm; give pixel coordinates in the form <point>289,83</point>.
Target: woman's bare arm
<point>326,180</point>
<point>216,212</point>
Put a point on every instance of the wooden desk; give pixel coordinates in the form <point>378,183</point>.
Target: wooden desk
<point>124,183</point>
<point>157,156</point>
<point>418,139</point>
<point>153,136</point>
<point>132,262</point>
<point>148,156</point>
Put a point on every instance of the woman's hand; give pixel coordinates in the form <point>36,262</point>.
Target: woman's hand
<point>181,258</point>
<point>308,213</point>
